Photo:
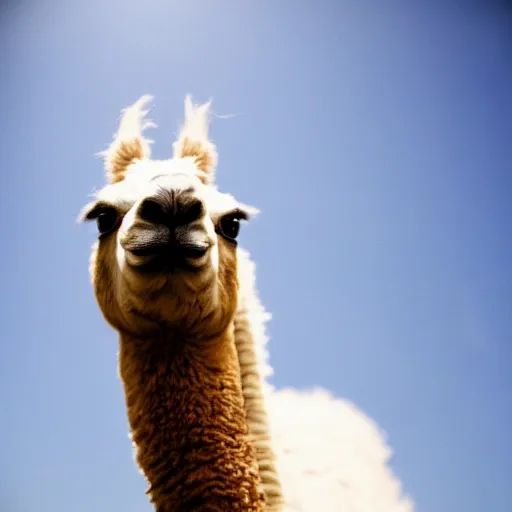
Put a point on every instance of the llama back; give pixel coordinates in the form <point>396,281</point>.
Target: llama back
<point>331,456</point>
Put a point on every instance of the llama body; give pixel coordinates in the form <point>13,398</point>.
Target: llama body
<point>209,430</point>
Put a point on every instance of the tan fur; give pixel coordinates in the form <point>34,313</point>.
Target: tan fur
<point>125,154</point>
<point>202,156</point>
<point>198,457</point>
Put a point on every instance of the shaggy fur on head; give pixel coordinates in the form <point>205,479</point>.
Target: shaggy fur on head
<point>177,359</point>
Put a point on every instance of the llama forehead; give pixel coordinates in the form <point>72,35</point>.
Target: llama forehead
<point>145,175</point>
<point>144,171</point>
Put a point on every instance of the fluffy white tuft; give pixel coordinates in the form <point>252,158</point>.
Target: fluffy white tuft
<point>128,142</point>
<point>194,132</point>
<point>331,456</point>
<point>133,120</point>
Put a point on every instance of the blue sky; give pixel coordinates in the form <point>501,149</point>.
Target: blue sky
<point>376,139</point>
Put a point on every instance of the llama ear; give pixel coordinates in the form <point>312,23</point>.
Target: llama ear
<point>193,140</point>
<point>128,144</point>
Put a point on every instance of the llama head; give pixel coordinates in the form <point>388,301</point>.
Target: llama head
<point>166,252</point>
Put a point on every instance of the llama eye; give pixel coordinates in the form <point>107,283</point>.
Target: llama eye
<point>107,220</point>
<point>229,227</point>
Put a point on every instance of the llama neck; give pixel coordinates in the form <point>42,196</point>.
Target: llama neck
<point>186,413</point>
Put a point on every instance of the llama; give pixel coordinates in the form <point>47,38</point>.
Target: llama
<point>164,272</point>
<point>309,451</point>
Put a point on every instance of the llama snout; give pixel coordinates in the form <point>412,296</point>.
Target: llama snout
<point>167,232</point>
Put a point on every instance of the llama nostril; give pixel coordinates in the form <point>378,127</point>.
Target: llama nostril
<point>153,212</point>
<point>190,211</point>
<point>193,251</point>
